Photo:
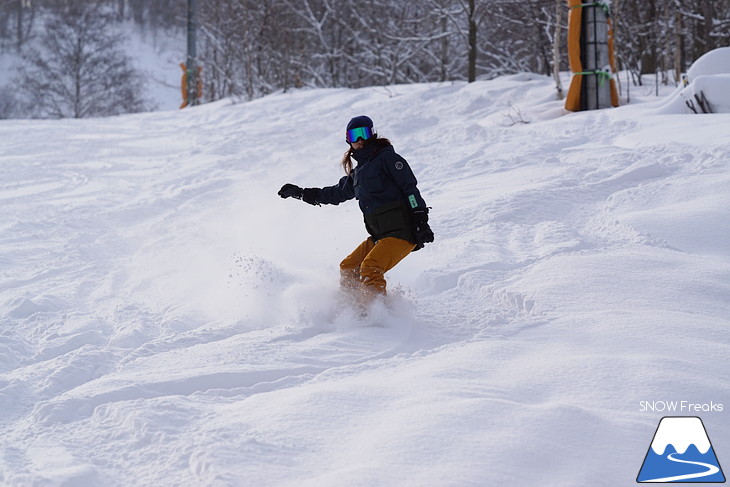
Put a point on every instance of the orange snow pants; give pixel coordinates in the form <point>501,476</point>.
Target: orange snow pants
<point>366,265</point>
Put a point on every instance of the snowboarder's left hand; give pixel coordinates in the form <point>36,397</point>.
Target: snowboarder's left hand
<point>421,230</point>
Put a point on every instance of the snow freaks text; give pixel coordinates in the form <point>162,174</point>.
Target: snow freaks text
<point>680,407</point>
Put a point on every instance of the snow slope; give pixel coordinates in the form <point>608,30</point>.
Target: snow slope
<point>165,314</point>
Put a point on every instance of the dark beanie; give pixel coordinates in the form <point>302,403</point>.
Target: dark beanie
<point>360,121</point>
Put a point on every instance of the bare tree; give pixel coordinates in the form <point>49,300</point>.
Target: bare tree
<point>472,36</point>
<point>81,70</point>
<point>249,48</point>
<point>8,104</point>
<point>559,6</point>
<point>17,19</point>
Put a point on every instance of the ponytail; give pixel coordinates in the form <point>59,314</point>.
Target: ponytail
<point>347,161</point>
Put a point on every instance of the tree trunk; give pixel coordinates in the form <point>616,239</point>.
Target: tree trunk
<point>19,25</point>
<point>556,47</point>
<point>472,68</point>
<point>680,54</point>
<point>444,50</point>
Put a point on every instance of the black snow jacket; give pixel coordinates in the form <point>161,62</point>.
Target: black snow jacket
<point>385,188</point>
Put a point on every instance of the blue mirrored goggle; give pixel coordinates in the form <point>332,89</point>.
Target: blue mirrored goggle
<point>363,133</point>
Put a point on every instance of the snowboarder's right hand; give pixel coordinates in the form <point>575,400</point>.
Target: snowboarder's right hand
<point>309,195</point>
<point>291,191</point>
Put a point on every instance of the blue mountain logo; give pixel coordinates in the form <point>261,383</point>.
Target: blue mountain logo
<point>681,452</point>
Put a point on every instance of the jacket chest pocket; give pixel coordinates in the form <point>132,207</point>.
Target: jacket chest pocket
<point>369,183</point>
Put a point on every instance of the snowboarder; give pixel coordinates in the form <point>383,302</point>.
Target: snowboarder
<point>396,216</point>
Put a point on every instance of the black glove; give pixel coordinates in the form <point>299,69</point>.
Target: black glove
<point>291,191</point>
<point>421,231</point>
<point>309,195</point>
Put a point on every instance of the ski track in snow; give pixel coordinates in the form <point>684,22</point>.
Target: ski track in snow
<point>165,316</point>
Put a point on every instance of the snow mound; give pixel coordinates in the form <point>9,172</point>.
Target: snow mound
<point>711,63</point>
<point>707,89</point>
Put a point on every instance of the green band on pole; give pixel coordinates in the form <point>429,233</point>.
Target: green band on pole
<point>603,75</point>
